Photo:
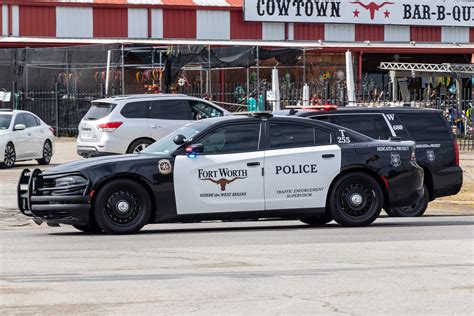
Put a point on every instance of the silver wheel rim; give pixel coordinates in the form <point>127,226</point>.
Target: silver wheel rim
<point>139,148</point>
<point>9,155</point>
<point>47,152</point>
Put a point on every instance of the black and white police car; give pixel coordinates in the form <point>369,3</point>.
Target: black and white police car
<point>236,167</point>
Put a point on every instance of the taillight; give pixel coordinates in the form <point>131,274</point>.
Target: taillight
<point>109,127</point>
<point>52,130</point>
<point>456,153</point>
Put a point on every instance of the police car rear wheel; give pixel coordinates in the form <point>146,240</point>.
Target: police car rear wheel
<point>414,210</point>
<point>317,220</point>
<point>356,199</point>
<point>122,207</point>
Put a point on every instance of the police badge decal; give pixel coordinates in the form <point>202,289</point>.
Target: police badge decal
<point>430,155</point>
<point>164,166</point>
<point>395,160</point>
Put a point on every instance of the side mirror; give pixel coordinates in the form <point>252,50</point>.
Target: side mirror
<point>179,139</point>
<point>195,149</point>
<point>19,127</point>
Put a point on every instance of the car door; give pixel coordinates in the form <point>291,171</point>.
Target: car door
<point>35,139</point>
<point>20,137</point>
<point>226,177</point>
<point>167,116</point>
<point>300,164</point>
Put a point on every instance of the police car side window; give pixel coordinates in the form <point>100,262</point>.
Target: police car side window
<point>231,139</point>
<point>284,135</point>
<point>372,125</point>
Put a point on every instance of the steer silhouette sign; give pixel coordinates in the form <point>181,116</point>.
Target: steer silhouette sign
<point>404,12</point>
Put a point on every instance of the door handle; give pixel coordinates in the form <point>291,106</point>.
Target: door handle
<point>154,126</point>
<point>328,156</point>
<point>253,164</point>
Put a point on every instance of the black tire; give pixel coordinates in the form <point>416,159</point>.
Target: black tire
<point>122,207</point>
<point>415,210</point>
<point>88,228</point>
<point>355,199</point>
<point>139,145</point>
<point>9,157</point>
<point>317,220</point>
<point>47,153</point>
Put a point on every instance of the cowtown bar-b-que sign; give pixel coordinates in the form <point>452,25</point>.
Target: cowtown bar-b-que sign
<point>408,12</point>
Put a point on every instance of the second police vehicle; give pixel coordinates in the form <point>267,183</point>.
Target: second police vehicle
<point>233,167</point>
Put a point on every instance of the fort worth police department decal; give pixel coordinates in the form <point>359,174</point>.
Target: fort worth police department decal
<point>395,160</point>
<point>164,166</point>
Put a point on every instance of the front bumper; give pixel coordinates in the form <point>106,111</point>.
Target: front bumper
<point>406,188</point>
<point>51,204</point>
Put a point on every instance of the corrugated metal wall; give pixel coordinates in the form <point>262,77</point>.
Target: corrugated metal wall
<point>308,31</point>
<point>157,23</point>
<point>396,33</point>
<point>110,22</point>
<point>273,31</point>
<point>426,33</point>
<point>213,24</point>
<point>455,34</point>
<point>137,23</point>
<point>365,32</point>
<point>339,32</point>
<point>37,21</point>
<point>74,22</point>
<point>179,23</point>
<point>241,30</point>
<point>15,20</point>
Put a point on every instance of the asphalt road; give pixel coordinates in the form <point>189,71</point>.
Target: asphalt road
<point>396,266</point>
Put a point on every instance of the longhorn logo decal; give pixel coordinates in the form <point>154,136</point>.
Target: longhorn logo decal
<point>222,182</point>
<point>372,7</point>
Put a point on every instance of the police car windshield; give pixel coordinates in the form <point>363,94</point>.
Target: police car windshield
<point>5,121</point>
<point>166,144</point>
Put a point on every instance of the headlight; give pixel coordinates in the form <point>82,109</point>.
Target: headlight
<point>70,180</point>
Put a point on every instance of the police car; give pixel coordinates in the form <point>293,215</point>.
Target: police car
<point>236,167</point>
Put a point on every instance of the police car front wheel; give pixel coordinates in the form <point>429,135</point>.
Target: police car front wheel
<point>122,206</point>
<point>356,199</point>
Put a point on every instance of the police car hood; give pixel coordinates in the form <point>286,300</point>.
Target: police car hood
<point>84,164</point>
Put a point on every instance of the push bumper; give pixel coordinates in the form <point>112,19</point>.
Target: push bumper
<point>406,188</point>
<point>52,209</point>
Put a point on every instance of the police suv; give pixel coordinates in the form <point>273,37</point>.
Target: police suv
<point>235,167</point>
<point>436,147</point>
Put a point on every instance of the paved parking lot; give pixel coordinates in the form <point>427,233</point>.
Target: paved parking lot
<point>395,266</point>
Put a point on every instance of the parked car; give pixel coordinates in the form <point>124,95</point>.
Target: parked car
<point>232,167</point>
<point>128,124</point>
<point>24,136</point>
<point>436,147</point>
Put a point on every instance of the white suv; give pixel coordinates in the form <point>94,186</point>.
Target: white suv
<point>128,124</point>
<point>24,136</point>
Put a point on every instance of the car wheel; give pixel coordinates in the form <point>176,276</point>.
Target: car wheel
<point>317,220</point>
<point>122,207</point>
<point>356,199</point>
<point>47,153</point>
<point>9,157</point>
<point>139,145</point>
<point>88,228</point>
<point>414,210</point>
